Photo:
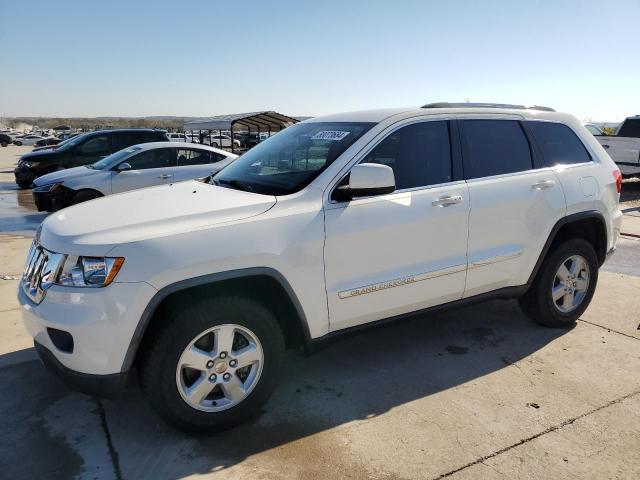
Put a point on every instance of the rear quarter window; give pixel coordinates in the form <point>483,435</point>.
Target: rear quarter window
<point>558,144</point>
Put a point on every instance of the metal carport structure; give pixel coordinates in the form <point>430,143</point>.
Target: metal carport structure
<point>267,122</point>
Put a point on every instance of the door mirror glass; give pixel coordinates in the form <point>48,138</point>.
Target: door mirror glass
<point>123,166</point>
<point>366,180</point>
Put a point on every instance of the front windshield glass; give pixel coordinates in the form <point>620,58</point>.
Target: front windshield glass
<point>112,160</point>
<point>73,141</point>
<point>291,159</point>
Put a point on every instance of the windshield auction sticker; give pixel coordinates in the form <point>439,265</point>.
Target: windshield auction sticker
<point>330,135</point>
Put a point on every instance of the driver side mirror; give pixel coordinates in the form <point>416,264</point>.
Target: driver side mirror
<point>123,166</point>
<point>367,180</point>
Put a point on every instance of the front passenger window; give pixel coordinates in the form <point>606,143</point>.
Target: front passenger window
<point>95,145</point>
<point>419,154</point>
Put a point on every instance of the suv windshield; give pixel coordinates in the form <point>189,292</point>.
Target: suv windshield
<point>73,141</point>
<point>112,160</point>
<point>291,159</point>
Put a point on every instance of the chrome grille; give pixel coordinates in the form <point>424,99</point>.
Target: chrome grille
<point>40,272</point>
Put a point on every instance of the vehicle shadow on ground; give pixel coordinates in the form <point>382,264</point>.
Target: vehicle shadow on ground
<point>353,379</point>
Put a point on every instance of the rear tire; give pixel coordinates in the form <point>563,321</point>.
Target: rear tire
<point>167,380</point>
<point>564,285</point>
<point>85,196</point>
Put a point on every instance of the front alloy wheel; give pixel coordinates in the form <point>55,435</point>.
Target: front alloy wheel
<point>211,362</point>
<point>219,368</point>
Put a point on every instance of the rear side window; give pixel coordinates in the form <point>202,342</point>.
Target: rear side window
<point>192,157</point>
<point>120,140</point>
<point>558,144</point>
<point>419,154</point>
<point>630,128</point>
<point>495,147</point>
<point>153,137</point>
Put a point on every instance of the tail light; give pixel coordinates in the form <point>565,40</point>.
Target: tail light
<point>618,176</point>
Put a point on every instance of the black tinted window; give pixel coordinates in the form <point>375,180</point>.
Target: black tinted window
<point>120,140</point>
<point>558,143</point>
<point>192,157</point>
<point>495,147</point>
<point>419,154</point>
<point>97,144</point>
<point>630,128</point>
<point>153,137</point>
<point>158,158</point>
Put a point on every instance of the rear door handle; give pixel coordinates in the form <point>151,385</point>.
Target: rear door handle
<point>164,176</point>
<point>543,185</point>
<point>447,200</point>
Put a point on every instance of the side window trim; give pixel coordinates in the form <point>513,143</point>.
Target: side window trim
<point>466,155</point>
<point>455,157</point>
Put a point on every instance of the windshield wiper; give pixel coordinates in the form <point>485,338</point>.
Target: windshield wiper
<point>237,184</point>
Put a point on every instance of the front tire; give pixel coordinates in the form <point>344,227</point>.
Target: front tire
<point>213,363</point>
<point>85,196</point>
<point>564,286</point>
<point>18,143</point>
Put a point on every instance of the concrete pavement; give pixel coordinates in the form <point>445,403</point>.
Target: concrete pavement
<point>476,392</point>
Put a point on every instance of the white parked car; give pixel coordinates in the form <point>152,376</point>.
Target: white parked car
<point>139,166</point>
<point>593,129</point>
<point>29,139</point>
<point>221,140</point>
<point>624,146</point>
<point>335,223</point>
<point>178,137</point>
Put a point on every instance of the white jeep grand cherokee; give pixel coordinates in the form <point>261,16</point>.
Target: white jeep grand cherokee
<point>332,224</point>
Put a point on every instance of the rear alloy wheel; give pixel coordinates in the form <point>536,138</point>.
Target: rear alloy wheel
<point>570,284</point>
<point>564,286</point>
<point>213,362</point>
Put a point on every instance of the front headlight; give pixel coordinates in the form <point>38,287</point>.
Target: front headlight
<point>52,187</point>
<point>26,164</point>
<point>89,271</point>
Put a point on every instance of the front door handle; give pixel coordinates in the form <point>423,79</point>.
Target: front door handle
<point>164,176</point>
<point>447,200</point>
<point>605,146</point>
<point>543,185</point>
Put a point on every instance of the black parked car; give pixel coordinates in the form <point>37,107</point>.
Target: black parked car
<point>46,142</point>
<point>81,150</point>
<point>5,140</point>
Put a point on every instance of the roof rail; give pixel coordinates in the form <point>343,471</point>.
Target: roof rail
<point>486,105</point>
